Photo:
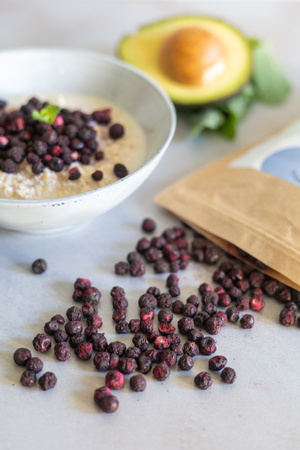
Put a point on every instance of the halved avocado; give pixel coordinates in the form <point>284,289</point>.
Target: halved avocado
<point>197,60</point>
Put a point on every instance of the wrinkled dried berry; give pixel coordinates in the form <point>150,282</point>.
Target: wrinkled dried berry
<point>256,303</point>
<point>120,170</point>
<point>47,381</point>
<point>193,299</point>
<point>101,361</point>
<point>169,357</point>
<point>242,304</point>
<point>21,356</point>
<point>189,310</point>
<point>100,393</point>
<point>109,403</point>
<point>114,380</point>
<point>137,269</point>
<point>161,371</point>
<point>153,290</point>
<point>165,329</point>
<point>82,284</point>
<point>144,364</point>
<point>99,342</point>
<point>165,316</point>
<point>89,309</point>
<point>146,326</point>
<point>58,318</point>
<point>177,306</point>
<point>76,339</point>
<point>28,378</point>
<point>213,325</point>
<point>73,327</point>
<point>270,287</point>
<point>217,363</point>
<point>118,315</point>
<point>212,255</point>
<point>190,348</point>
<point>34,364</point>
<point>39,266</point>
<point>138,383</point>
<point>164,300</point>
<point>161,342</point>
<point>147,300</point>
<point>94,321</point>
<point>232,314</point>
<point>60,336</point>
<point>62,351</point>
<point>203,380</point>
<point>148,225</point>
<point>247,321</point>
<point>74,313</point>
<point>228,375</point>
<point>207,346</point>
<point>186,362</point>
<point>134,325</point>
<point>84,351</point>
<point>287,317</point>
<point>256,279</point>
<point>122,328</point>
<point>117,348</point>
<point>284,295</point>
<point>42,342</point>
<point>185,324</point>
<point>146,313</point>
<point>200,319</point>
<point>121,268</point>
<point>174,291</point>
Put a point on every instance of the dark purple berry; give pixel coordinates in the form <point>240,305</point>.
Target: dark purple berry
<point>137,383</point>
<point>39,266</point>
<point>203,380</point>
<point>47,381</point>
<point>21,356</point>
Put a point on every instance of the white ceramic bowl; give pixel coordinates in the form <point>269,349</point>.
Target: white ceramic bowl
<point>39,70</point>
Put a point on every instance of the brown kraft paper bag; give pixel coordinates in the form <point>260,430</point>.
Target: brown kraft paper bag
<point>249,200</point>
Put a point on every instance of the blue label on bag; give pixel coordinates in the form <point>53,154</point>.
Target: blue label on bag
<point>284,164</point>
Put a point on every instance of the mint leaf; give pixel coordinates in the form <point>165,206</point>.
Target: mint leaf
<point>269,81</point>
<point>209,118</point>
<point>47,114</point>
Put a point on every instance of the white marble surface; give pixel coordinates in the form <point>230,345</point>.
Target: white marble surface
<point>261,410</point>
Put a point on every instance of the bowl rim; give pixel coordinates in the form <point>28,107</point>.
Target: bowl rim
<point>115,61</point>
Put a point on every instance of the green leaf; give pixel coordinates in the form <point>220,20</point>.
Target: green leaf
<point>47,114</point>
<point>209,118</point>
<point>269,80</point>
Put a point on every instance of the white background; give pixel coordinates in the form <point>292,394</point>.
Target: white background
<point>261,410</point>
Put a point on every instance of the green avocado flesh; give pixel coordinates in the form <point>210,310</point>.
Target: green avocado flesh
<point>144,50</point>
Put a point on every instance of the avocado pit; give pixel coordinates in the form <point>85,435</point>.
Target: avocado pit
<point>192,56</point>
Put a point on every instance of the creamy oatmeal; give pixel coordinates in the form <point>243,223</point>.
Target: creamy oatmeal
<point>129,150</point>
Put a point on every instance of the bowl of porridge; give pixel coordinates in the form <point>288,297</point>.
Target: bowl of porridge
<point>79,132</point>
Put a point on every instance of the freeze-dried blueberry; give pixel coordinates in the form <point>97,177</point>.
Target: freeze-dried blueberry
<point>137,383</point>
<point>58,318</point>
<point>60,336</point>
<point>73,327</point>
<point>153,290</point>
<point>76,339</point>
<point>84,351</point>
<point>232,314</point>
<point>117,347</point>
<point>287,317</point>
<point>74,313</point>
<point>47,381</point>
<point>169,357</point>
<point>121,268</point>
<point>146,326</point>
<point>133,352</point>
<point>161,371</point>
<point>164,300</point>
<point>161,342</point>
<point>212,255</point>
<point>21,356</point>
<point>144,364</point>
<point>270,287</point>
<point>256,303</point>
<point>99,342</point>
<point>147,300</point>
<point>89,309</point>
<point>122,327</point>
<point>193,299</point>
<point>195,335</point>
<point>91,295</point>
<point>207,346</point>
<point>190,348</point>
<point>242,304</point>
<point>62,351</point>
<point>186,362</point>
<point>203,380</point>
<point>28,378</point>
<point>247,321</point>
<point>42,342</point>
<point>213,325</point>
<point>94,321</point>
<point>102,361</point>
<point>127,365</point>
<point>284,295</point>
<point>100,393</point>
<point>217,363</point>
<point>34,364</point>
<point>39,266</point>
<point>177,306</point>
<point>120,170</point>
<point>148,225</point>
<point>200,319</point>
<point>165,315</point>
<point>224,300</point>
<point>134,325</point>
<point>118,315</point>
<point>185,324</point>
<point>109,403</point>
<point>189,310</point>
<point>116,131</point>
<point>228,375</point>
<point>137,269</point>
<point>161,266</point>
<point>114,380</point>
